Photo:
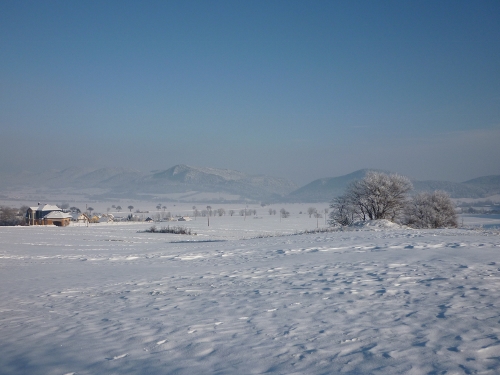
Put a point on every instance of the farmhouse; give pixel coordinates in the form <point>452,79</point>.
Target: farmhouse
<point>80,217</point>
<point>47,215</point>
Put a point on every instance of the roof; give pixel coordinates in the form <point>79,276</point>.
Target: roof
<point>57,215</point>
<point>79,216</point>
<point>45,207</point>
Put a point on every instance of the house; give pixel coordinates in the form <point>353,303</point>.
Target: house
<point>184,218</point>
<point>47,215</point>
<point>80,217</point>
<point>106,218</point>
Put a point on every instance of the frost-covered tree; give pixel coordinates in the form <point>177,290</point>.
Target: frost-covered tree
<point>431,210</point>
<point>380,196</point>
<point>343,212</point>
<point>12,216</point>
<point>377,196</point>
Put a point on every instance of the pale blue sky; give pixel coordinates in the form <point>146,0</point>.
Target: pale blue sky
<point>296,89</point>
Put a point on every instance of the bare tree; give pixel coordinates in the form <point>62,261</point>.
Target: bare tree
<point>90,209</point>
<point>118,208</point>
<point>317,215</point>
<point>195,212</point>
<point>130,208</point>
<point>231,212</point>
<point>431,210</point>
<point>343,211</point>
<point>221,211</point>
<point>311,211</point>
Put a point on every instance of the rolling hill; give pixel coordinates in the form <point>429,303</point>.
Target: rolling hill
<point>187,183</point>
<point>121,182</point>
<point>325,189</point>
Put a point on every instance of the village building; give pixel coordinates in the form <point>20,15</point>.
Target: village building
<point>47,215</point>
<point>80,217</point>
<point>106,218</point>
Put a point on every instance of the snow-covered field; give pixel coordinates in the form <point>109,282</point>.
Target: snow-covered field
<point>106,299</point>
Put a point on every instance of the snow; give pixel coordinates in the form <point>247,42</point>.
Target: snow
<point>249,296</point>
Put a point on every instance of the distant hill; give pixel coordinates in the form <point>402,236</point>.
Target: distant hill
<point>187,178</point>
<point>188,184</point>
<point>454,189</point>
<point>121,182</point>
<point>325,189</point>
<point>490,184</point>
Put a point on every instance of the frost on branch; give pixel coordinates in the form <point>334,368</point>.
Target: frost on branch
<point>377,196</point>
<point>431,210</point>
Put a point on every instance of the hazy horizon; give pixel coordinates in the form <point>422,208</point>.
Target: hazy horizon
<point>152,171</point>
<point>281,88</point>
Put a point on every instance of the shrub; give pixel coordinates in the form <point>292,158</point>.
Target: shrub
<point>431,210</point>
<point>168,229</point>
<point>12,216</point>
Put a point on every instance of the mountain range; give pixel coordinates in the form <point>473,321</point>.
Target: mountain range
<point>187,183</point>
<point>323,189</point>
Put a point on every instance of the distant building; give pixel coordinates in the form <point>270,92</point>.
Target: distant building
<point>80,217</point>
<point>106,218</point>
<point>47,215</point>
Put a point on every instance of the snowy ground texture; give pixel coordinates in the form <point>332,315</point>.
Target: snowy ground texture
<point>108,300</point>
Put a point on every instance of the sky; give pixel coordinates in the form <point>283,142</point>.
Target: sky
<point>293,89</point>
